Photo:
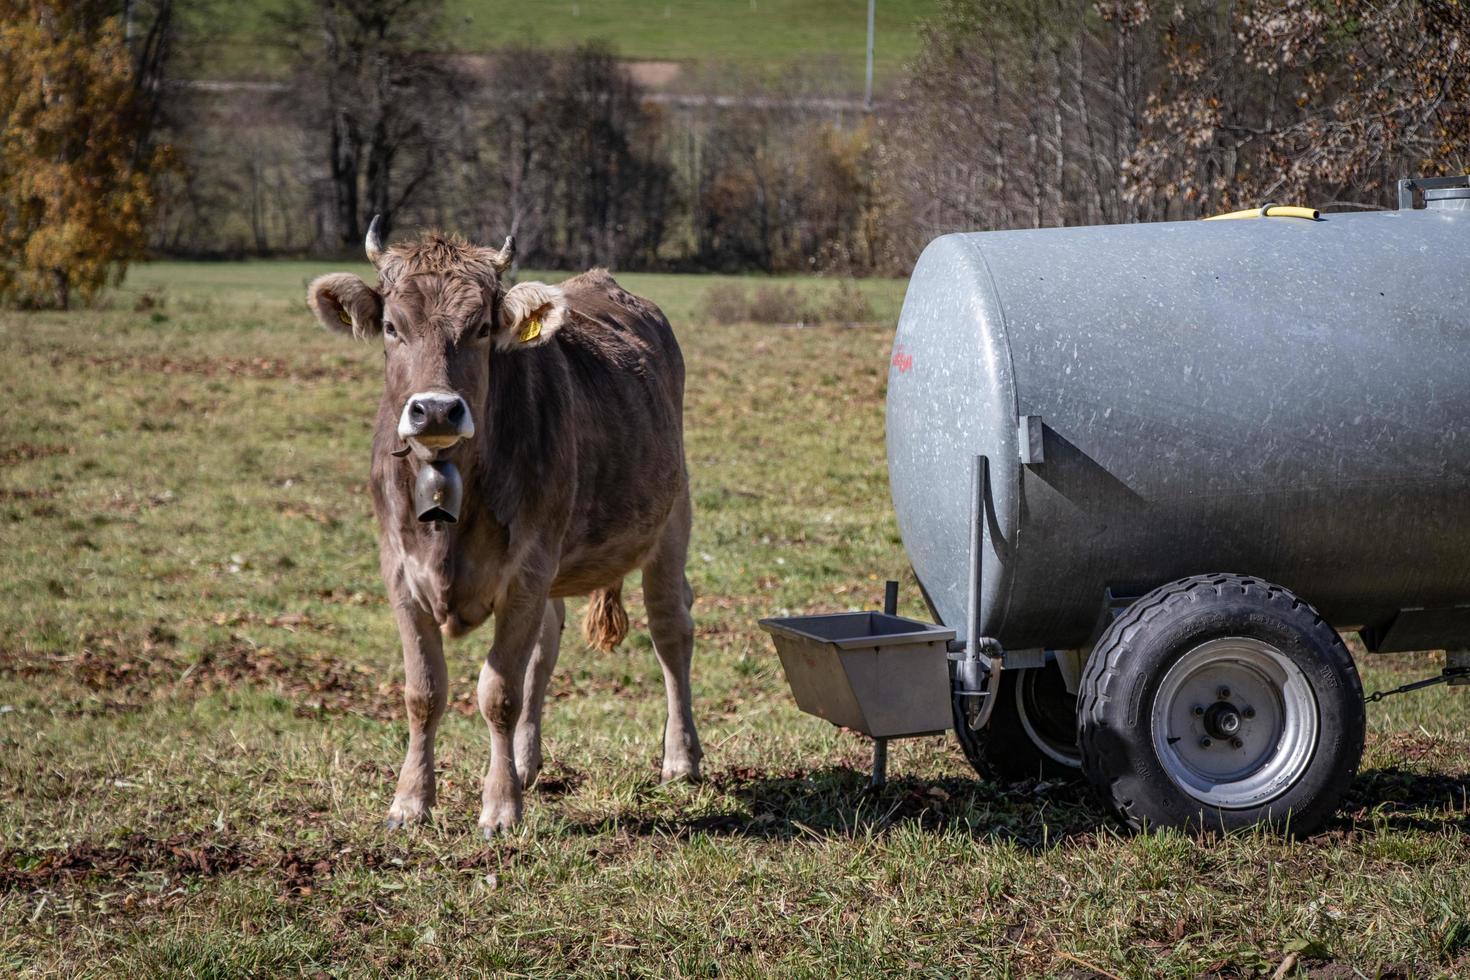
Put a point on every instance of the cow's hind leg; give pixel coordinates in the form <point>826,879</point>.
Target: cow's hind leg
<point>667,594</point>
<point>425,690</point>
<point>538,674</point>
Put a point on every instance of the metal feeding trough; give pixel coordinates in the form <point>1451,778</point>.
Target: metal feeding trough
<point>876,673</point>
<point>881,675</point>
<point>1148,472</point>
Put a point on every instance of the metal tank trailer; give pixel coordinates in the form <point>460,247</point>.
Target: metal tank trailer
<point>1144,475</point>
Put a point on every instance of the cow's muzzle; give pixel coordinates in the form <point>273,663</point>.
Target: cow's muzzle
<point>435,420</point>
<point>438,492</point>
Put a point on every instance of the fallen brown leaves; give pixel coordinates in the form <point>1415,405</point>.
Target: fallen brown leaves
<point>296,869</point>
<point>182,855</point>
<point>132,672</point>
<point>317,682</point>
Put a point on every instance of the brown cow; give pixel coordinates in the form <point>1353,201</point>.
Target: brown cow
<point>556,414</point>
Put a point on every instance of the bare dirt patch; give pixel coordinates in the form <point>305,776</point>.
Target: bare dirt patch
<point>25,452</point>
<point>1420,747</point>
<point>1407,799</point>
<point>182,855</point>
<point>267,368</point>
<point>317,682</point>
<point>22,493</point>
<point>132,673</point>
<point>654,74</point>
<point>296,869</point>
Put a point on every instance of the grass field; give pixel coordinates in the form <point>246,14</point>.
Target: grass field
<point>200,727</point>
<point>761,36</point>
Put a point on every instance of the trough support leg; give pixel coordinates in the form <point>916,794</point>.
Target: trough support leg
<point>879,778</point>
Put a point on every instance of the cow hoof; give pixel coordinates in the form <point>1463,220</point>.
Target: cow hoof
<point>688,774</point>
<point>492,831</point>
<point>402,815</point>
<point>499,818</point>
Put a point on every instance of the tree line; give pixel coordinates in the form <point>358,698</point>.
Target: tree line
<point>1015,113</point>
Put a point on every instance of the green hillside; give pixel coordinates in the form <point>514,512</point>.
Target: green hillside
<point>752,32</point>
<point>707,36</point>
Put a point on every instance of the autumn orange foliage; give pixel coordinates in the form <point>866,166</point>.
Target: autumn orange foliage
<point>76,192</point>
<point>1306,100</point>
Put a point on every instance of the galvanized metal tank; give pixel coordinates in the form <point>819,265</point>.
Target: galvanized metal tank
<point>1276,397</point>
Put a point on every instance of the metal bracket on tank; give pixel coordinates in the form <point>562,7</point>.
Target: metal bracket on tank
<point>1412,188</point>
<point>977,672</point>
<point>1030,435</point>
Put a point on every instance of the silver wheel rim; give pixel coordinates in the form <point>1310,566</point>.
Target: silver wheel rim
<point>1068,754</point>
<point>1235,723</point>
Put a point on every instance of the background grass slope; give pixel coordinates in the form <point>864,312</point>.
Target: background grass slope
<point>200,724</point>
<point>762,37</point>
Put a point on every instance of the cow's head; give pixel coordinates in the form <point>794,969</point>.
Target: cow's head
<point>444,319</point>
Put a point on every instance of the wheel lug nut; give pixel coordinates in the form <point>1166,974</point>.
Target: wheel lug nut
<point>1236,743</point>
<point>1199,711</point>
<point>1223,693</point>
<point>1205,742</point>
<point>1248,711</point>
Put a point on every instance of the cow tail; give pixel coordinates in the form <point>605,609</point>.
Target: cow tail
<point>605,623</point>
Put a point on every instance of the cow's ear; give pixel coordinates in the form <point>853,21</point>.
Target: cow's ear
<point>530,315</point>
<point>343,302</point>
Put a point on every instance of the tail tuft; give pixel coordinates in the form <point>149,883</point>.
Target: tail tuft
<point>605,623</point>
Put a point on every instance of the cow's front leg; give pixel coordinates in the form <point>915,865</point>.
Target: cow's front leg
<point>425,690</point>
<point>518,623</point>
<point>538,674</point>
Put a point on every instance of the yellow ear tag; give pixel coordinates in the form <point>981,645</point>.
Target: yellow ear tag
<point>530,330</point>
<point>342,315</point>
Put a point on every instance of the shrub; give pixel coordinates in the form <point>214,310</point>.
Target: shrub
<point>726,302</point>
<point>847,304</point>
<point>778,304</point>
<point>730,302</point>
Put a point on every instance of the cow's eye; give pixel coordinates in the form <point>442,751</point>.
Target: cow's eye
<point>484,332</point>
<point>389,330</point>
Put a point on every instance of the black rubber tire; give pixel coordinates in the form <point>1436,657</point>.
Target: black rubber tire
<point>1130,661</point>
<point>1018,754</point>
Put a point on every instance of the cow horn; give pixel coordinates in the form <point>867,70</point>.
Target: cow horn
<point>374,241</point>
<point>507,252</point>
